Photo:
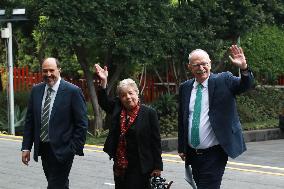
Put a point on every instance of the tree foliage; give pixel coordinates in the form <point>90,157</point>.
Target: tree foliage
<point>128,35</point>
<point>264,50</point>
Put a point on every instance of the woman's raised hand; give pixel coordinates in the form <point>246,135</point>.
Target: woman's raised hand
<point>101,75</point>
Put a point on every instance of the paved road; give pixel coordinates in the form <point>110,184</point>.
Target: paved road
<point>261,167</point>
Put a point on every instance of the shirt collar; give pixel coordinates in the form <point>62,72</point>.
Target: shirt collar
<point>204,83</point>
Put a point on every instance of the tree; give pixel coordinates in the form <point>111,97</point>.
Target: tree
<point>264,48</point>
<point>129,36</point>
<point>120,34</point>
<point>220,23</point>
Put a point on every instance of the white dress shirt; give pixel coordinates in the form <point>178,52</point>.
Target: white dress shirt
<point>53,95</point>
<point>206,133</point>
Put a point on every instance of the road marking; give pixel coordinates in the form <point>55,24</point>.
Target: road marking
<point>90,150</point>
<point>12,136</point>
<point>170,155</point>
<point>256,171</point>
<point>11,139</point>
<point>244,170</point>
<point>256,166</point>
<point>110,184</point>
<point>93,146</point>
<point>19,139</point>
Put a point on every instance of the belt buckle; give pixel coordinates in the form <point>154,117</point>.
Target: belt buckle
<point>198,152</point>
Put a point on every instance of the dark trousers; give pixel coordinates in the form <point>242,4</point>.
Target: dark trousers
<point>208,166</point>
<point>133,179</point>
<point>56,172</point>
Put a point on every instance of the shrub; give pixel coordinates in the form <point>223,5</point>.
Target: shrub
<point>20,108</point>
<point>165,104</point>
<point>260,104</point>
<point>166,107</point>
<point>169,124</point>
<point>19,119</point>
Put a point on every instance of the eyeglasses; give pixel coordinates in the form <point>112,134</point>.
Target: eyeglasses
<point>203,64</point>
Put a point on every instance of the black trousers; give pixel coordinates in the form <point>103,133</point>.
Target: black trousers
<point>56,172</point>
<point>133,179</point>
<point>208,166</point>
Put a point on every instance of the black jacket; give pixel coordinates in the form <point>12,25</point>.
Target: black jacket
<point>147,133</point>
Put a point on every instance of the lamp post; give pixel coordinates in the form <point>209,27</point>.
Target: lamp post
<point>6,33</point>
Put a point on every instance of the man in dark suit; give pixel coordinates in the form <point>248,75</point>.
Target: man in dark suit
<point>56,124</point>
<point>209,127</point>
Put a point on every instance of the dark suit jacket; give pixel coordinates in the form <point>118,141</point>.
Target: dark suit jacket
<point>223,115</point>
<point>147,133</point>
<point>67,125</point>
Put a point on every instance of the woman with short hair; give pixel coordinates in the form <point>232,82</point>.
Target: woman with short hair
<point>134,141</point>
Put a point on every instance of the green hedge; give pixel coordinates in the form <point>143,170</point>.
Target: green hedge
<point>260,104</point>
<point>166,107</point>
<point>258,109</point>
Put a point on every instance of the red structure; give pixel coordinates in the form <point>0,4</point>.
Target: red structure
<point>151,89</point>
<point>24,80</point>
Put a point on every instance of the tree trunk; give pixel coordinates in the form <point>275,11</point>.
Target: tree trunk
<point>1,87</point>
<point>112,79</point>
<point>115,77</point>
<point>81,55</point>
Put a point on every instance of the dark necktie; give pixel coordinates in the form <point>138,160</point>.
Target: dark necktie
<point>195,140</point>
<point>45,116</point>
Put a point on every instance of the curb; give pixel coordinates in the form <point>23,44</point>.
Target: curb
<point>170,144</point>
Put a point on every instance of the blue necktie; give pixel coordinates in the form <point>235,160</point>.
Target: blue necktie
<point>195,140</point>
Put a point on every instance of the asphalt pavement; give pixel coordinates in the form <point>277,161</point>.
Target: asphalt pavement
<point>260,167</point>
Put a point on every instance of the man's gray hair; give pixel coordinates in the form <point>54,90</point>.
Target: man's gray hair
<point>126,83</point>
<point>197,51</point>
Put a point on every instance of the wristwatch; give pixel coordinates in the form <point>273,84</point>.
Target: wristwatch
<point>247,68</point>
<point>245,72</point>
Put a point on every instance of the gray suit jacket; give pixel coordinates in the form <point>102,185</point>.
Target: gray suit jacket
<point>223,115</point>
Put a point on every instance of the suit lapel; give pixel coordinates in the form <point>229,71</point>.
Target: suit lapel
<point>58,98</point>
<point>211,88</point>
<point>187,95</point>
<point>38,102</point>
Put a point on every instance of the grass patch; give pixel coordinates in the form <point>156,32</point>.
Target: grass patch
<point>268,124</point>
<point>98,140</point>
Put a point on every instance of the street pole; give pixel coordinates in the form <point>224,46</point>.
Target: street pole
<point>11,82</point>
<point>17,15</point>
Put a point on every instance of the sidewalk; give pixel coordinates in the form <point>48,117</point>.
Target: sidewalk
<point>170,144</point>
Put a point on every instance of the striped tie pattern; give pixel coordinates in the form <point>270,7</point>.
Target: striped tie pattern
<point>45,116</point>
<point>195,140</point>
